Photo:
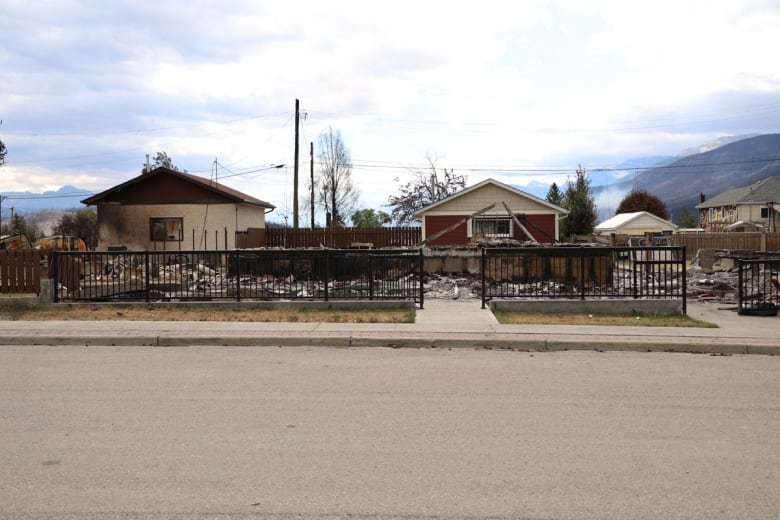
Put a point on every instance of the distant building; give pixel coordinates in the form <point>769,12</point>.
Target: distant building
<point>751,208</point>
<point>634,224</point>
<point>459,219</point>
<point>166,209</point>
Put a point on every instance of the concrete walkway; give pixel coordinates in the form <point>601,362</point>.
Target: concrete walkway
<point>440,324</point>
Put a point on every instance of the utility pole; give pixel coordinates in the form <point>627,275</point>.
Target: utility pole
<point>295,166</point>
<point>311,160</point>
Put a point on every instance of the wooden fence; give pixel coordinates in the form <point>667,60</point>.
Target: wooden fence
<point>731,241</point>
<point>20,271</point>
<point>335,238</point>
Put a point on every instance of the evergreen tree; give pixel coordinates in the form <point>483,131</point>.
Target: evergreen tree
<point>554,195</point>
<point>687,218</point>
<point>578,199</point>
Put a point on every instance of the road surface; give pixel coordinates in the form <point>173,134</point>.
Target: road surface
<point>229,433</point>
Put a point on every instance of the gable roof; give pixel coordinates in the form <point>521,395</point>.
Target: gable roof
<point>207,184</point>
<point>493,182</point>
<point>624,219</point>
<point>762,192</point>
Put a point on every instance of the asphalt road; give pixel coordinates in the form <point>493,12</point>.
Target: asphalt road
<point>228,433</point>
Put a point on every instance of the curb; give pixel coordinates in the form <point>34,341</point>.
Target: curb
<point>521,345</point>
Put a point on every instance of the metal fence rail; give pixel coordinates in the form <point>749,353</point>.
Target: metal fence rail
<point>758,291</point>
<point>321,274</point>
<point>584,273</point>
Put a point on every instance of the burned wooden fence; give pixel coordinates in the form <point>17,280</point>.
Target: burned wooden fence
<point>335,238</point>
<point>20,271</point>
<point>584,273</point>
<point>758,286</point>
<point>312,274</point>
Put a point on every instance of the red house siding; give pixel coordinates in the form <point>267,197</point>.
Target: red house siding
<point>542,227</point>
<point>434,224</point>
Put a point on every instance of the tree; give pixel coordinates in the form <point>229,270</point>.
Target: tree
<point>82,224</point>
<point>370,218</point>
<point>3,151</point>
<point>19,226</point>
<point>161,160</point>
<point>335,191</point>
<point>425,188</point>
<point>554,195</point>
<point>687,218</point>
<point>578,199</point>
<point>641,200</point>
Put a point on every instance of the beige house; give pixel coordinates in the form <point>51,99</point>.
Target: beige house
<point>634,224</point>
<point>751,208</point>
<point>166,209</point>
<point>480,211</point>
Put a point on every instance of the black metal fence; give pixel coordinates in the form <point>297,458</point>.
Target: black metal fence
<point>584,273</point>
<point>311,274</point>
<point>758,291</point>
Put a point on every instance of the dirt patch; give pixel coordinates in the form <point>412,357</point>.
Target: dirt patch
<point>107,313</point>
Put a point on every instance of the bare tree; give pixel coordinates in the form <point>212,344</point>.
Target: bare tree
<point>425,188</point>
<point>335,191</point>
<point>161,159</point>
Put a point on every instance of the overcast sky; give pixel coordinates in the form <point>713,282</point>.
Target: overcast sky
<point>491,88</point>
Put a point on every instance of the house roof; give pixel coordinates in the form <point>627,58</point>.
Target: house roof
<point>494,182</point>
<point>624,219</point>
<point>762,192</point>
<point>209,185</point>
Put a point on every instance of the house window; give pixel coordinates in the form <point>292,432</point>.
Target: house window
<point>166,229</point>
<point>765,213</point>
<point>491,227</point>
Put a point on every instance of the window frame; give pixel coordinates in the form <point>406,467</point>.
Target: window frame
<point>477,228</point>
<point>156,224</point>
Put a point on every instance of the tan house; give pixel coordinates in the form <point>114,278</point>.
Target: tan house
<point>752,208</point>
<point>166,209</point>
<point>634,224</point>
<point>490,209</point>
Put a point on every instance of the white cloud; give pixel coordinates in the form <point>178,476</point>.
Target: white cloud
<point>92,87</point>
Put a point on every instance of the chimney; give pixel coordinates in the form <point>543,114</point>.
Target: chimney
<point>701,198</point>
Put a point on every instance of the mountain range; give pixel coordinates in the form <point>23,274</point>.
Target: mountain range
<point>683,183</point>
<point>679,181</point>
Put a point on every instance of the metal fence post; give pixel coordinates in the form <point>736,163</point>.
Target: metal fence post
<point>147,273</point>
<point>370,277</point>
<point>325,277</point>
<point>740,281</point>
<point>55,275</point>
<point>422,275</point>
<point>684,282</point>
<point>482,268</point>
<point>582,273</point>
<point>237,259</point>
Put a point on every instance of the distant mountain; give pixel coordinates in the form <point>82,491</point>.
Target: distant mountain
<point>715,143</point>
<point>67,197</point>
<point>680,183</point>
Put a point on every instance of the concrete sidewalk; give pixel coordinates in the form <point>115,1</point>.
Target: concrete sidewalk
<point>440,324</point>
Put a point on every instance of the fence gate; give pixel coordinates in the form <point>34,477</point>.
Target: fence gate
<point>758,292</point>
<point>20,271</point>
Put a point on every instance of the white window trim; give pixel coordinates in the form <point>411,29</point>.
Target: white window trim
<point>470,230</point>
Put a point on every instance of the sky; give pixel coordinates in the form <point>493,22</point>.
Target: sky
<point>521,91</point>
